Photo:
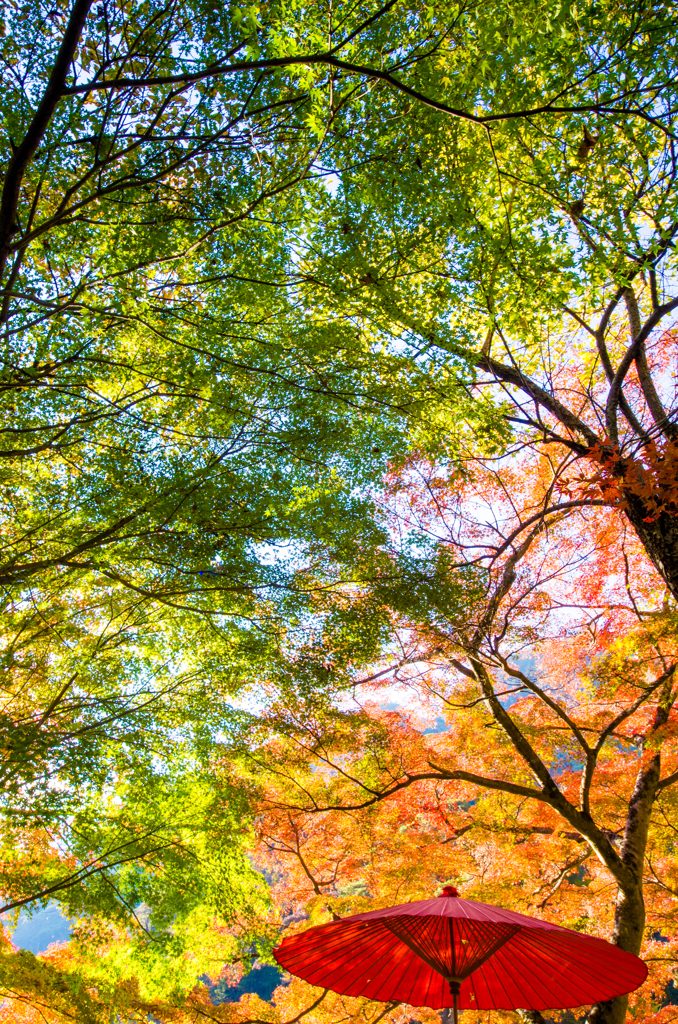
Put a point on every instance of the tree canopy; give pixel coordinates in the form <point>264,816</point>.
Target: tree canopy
<point>333,337</point>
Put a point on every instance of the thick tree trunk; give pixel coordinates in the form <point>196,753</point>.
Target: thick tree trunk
<point>611,1012</point>
<point>531,1017</point>
<point>629,919</point>
<point>658,537</point>
<point>629,922</point>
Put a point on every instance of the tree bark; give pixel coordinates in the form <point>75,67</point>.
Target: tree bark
<point>659,537</point>
<point>629,919</point>
<point>658,533</point>
<point>629,922</point>
<point>531,1017</point>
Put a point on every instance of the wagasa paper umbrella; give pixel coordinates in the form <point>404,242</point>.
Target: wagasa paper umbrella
<point>456,952</point>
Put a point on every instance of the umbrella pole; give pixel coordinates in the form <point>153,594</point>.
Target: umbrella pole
<point>454,989</point>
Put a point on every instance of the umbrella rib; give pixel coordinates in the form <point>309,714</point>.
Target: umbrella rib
<point>406,941</point>
<point>496,945</point>
<point>418,952</point>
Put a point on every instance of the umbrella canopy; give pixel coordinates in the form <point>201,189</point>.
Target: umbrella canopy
<point>456,952</point>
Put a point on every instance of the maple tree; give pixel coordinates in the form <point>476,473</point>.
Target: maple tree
<point>539,630</point>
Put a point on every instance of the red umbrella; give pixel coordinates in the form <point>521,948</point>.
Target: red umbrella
<point>456,952</point>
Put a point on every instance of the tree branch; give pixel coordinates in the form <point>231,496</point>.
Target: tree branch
<point>613,398</point>
<point>653,400</point>
<point>512,375</point>
<point>36,130</point>
<point>328,59</point>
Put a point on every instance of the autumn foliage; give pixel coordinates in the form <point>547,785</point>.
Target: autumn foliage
<point>555,666</point>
